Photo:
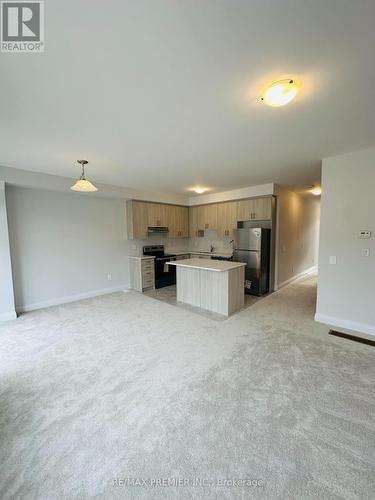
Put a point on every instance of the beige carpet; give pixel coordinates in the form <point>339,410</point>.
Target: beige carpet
<point>126,386</point>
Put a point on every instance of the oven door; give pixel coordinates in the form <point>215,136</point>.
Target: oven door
<point>164,275</point>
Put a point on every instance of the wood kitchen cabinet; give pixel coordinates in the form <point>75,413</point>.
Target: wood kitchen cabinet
<point>254,209</point>
<point>142,273</point>
<point>157,215</point>
<point>137,220</point>
<point>193,222</point>
<point>141,215</point>
<point>178,221</point>
<point>226,218</point>
<point>207,216</point>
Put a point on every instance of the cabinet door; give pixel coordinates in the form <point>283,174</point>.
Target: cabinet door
<point>207,216</point>
<point>254,209</point>
<point>245,210</point>
<point>264,208</point>
<point>184,222</point>
<point>226,218</point>
<point>193,221</point>
<point>157,215</point>
<point>137,220</point>
<point>172,221</point>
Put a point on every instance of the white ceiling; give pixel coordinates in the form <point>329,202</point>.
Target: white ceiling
<point>161,94</point>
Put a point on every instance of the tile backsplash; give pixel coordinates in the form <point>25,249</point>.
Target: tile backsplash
<point>210,238</point>
<point>202,244</point>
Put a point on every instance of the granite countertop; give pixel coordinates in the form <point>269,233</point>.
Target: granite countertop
<point>207,264</point>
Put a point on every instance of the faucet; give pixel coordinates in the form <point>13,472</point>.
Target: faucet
<point>212,248</point>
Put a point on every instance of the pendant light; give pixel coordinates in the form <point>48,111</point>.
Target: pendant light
<point>83,185</point>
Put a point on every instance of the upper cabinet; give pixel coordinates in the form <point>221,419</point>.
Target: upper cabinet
<point>157,215</point>
<point>178,221</point>
<point>193,221</point>
<point>254,209</point>
<point>226,218</point>
<point>141,215</point>
<point>207,216</point>
<point>137,219</point>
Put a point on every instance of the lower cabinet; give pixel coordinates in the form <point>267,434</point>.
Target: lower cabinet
<point>142,273</point>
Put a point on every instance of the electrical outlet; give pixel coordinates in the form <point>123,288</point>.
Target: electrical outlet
<point>109,276</point>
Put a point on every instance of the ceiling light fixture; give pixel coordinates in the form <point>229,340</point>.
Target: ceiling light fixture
<point>83,185</point>
<point>316,190</point>
<point>200,190</point>
<point>280,93</point>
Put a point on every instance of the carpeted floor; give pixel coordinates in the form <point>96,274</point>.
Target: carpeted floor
<point>126,386</point>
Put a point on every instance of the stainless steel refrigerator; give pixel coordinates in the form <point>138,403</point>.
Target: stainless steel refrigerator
<point>252,246</point>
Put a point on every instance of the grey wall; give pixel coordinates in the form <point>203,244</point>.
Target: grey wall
<point>346,291</point>
<point>297,239</point>
<point>63,245</point>
<point>6,286</point>
<point>37,180</point>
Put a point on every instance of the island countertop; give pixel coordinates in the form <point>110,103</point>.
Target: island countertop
<point>207,264</point>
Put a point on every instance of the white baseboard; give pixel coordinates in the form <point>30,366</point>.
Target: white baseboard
<point>346,324</point>
<point>296,277</point>
<point>70,298</point>
<point>8,316</point>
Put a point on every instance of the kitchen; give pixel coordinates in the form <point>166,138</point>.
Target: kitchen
<point>235,234</point>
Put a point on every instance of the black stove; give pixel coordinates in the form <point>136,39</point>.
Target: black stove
<point>164,275</point>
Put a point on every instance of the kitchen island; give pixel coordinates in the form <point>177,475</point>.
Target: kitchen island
<point>214,285</point>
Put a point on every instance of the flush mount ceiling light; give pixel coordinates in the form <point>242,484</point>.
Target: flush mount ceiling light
<point>316,190</point>
<point>280,93</point>
<point>83,185</point>
<point>199,190</point>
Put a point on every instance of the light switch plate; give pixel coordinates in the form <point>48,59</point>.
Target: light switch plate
<point>332,260</point>
<point>365,252</point>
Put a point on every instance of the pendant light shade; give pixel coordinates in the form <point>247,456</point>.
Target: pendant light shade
<point>83,185</point>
